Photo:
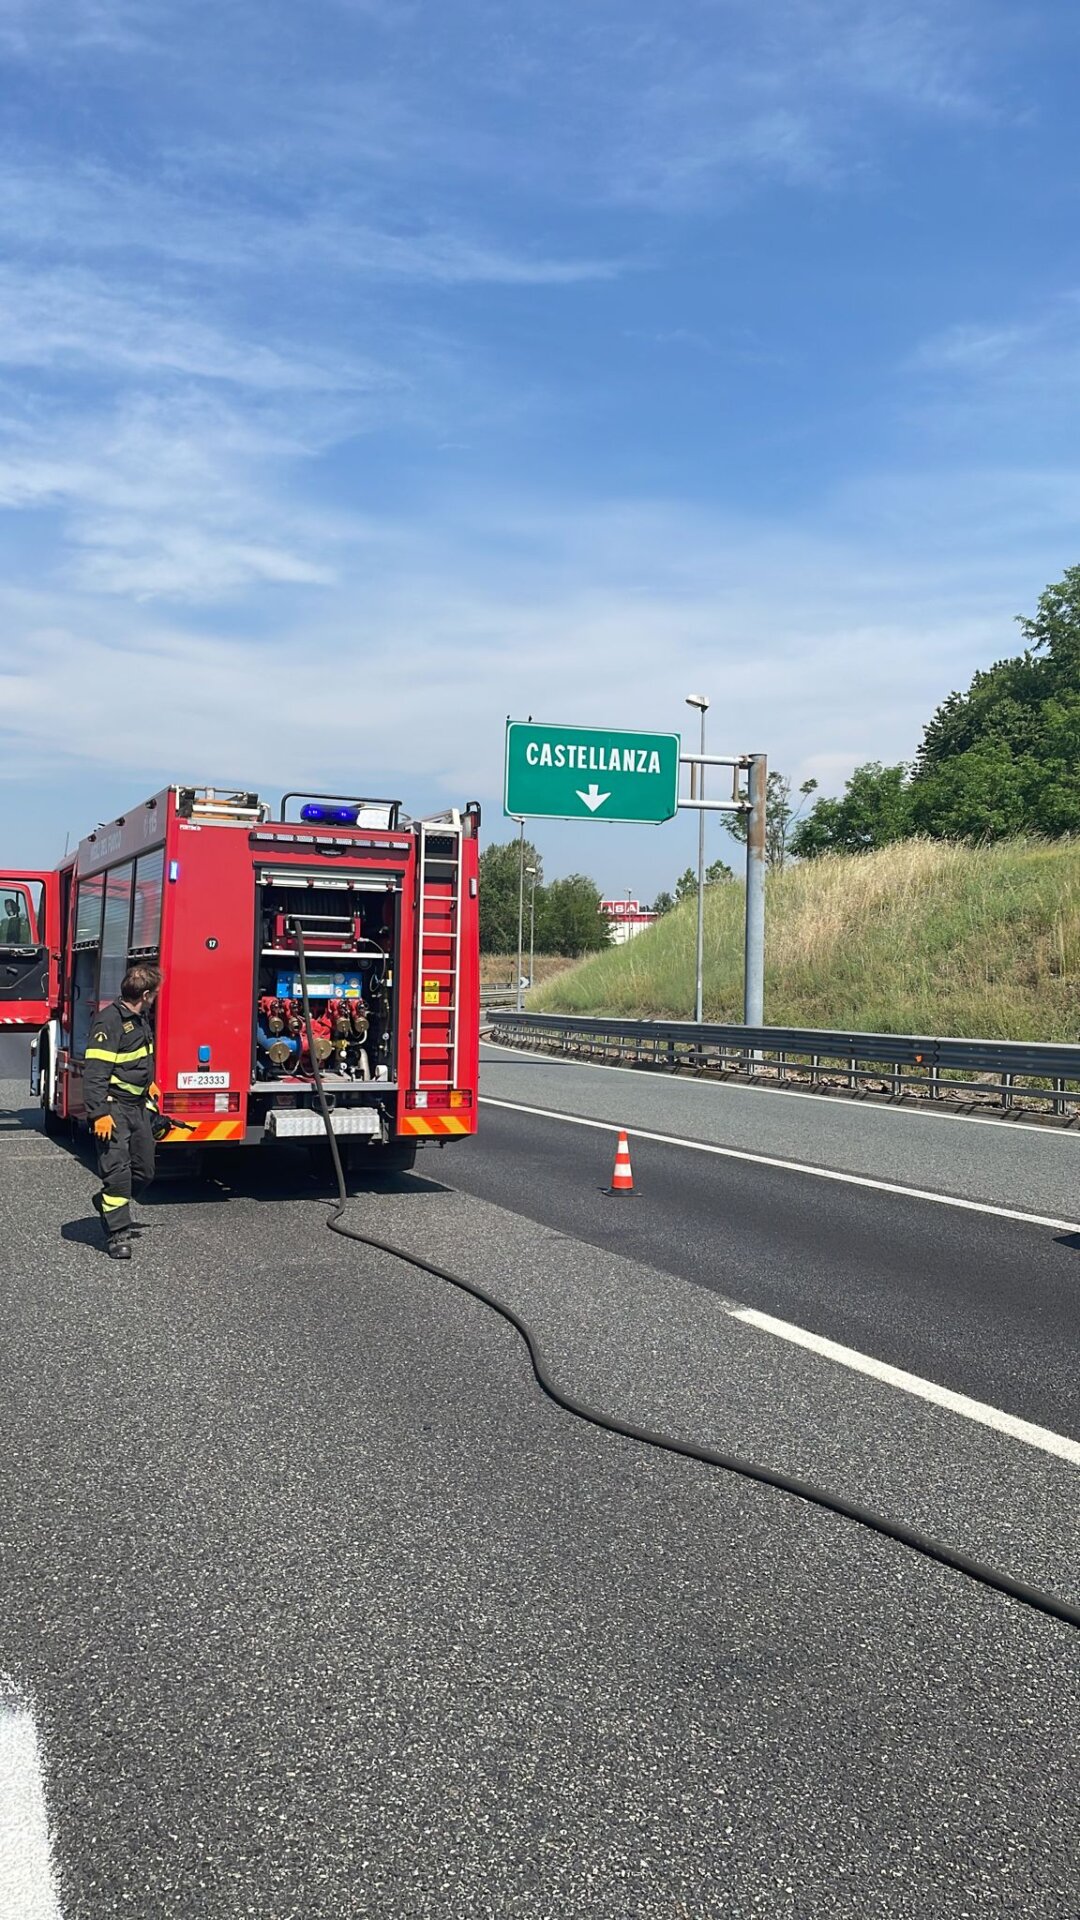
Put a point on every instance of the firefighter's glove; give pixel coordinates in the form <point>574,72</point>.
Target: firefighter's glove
<point>104,1128</point>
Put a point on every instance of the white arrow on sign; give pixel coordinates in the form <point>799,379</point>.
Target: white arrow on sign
<point>594,798</point>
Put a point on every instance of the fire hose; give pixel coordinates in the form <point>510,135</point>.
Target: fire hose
<point>898,1531</point>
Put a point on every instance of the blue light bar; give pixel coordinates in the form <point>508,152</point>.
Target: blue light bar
<point>318,815</point>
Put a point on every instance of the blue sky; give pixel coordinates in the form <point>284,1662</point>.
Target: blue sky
<point>372,369</point>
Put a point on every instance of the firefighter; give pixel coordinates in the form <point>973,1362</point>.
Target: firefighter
<point>121,1098</point>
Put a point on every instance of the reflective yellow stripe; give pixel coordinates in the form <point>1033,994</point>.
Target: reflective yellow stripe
<point>204,1131</point>
<point>125,1085</point>
<point>117,1059</point>
<point>111,1201</point>
<point>100,1053</point>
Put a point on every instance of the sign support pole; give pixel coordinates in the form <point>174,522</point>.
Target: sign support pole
<point>699,970</point>
<point>519,1003</point>
<point>754,806</point>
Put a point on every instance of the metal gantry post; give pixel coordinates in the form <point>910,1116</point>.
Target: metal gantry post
<point>697,798</point>
<point>754,806</point>
<point>754,954</point>
<point>699,975</point>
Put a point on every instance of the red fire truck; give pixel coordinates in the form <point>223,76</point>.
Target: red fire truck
<point>212,886</point>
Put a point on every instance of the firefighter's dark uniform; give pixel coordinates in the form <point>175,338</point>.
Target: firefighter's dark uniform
<point>116,1080</point>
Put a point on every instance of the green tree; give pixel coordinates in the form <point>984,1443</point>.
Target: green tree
<point>875,808</point>
<point>1003,757</point>
<point>663,903</point>
<point>715,874</point>
<point>980,794</point>
<point>568,917</point>
<point>500,870</point>
<point>1055,797</point>
<point>780,818</point>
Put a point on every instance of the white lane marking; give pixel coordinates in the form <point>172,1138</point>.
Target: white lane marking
<point>926,1112</point>
<point>789,1166</point>
<point>1006,1423</point>
<point>28,1886</point>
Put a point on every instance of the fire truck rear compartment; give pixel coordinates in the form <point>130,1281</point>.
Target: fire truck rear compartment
<point>350,923</point>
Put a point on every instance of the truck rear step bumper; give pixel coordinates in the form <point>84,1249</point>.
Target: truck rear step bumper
<point>292,1124</point>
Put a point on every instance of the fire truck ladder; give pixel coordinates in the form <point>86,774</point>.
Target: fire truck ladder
<point>438,970</point>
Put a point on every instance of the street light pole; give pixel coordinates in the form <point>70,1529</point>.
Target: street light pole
<point>532,921</point>
<point>697,789</point>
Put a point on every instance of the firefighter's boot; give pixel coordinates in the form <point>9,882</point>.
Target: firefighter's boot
<point>118,1246</point>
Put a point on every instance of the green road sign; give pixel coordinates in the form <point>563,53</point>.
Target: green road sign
<point>590,773</point>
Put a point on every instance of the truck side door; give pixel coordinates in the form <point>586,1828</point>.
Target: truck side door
<point>29,948</point>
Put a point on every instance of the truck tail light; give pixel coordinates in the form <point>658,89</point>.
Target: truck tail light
<point>441,1101</point>
<point>179,1103</point>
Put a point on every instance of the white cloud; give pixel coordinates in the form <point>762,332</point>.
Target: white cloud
<point>659,107</point>
<point>67,318</point>
<point>821,651</point>
<point>64,28</point>
<point>701,102</point>
<point>198,331</point>
<point>972,350</point>
<point>85,212</point>
<point>1043,349</point>
<point>170,498</point>
<point>923,58</point>
<point>1009,382</point>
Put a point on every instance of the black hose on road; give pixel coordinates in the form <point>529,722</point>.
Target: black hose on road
<point>897,1530</point>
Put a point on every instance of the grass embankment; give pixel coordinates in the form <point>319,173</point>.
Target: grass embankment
<point>924,937</point>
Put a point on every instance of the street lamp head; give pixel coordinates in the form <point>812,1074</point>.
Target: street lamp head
<point>699,700</point>
<point>530,869</point>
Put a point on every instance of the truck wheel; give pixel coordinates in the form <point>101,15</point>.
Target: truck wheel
<point>397,1157</point>
<point>51,1121</point>
<point>400,1157</point>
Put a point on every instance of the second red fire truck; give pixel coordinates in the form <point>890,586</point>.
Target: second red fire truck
<point>212,886</point>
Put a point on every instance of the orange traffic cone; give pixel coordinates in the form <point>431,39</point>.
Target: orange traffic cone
<point>622,1180</point>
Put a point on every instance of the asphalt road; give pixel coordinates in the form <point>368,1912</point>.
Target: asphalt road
<point>324,1611</point>
<point>986,1306</point>
<point>1035,1169</point>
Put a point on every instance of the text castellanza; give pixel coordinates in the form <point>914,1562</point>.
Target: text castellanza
<point>593,759</point>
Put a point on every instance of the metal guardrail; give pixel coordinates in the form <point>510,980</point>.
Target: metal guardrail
<point>498,996</point>
<point>1012,1070</point>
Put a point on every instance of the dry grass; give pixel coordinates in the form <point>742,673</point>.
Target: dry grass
<point>500,969</point>
<point>924,937</point>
